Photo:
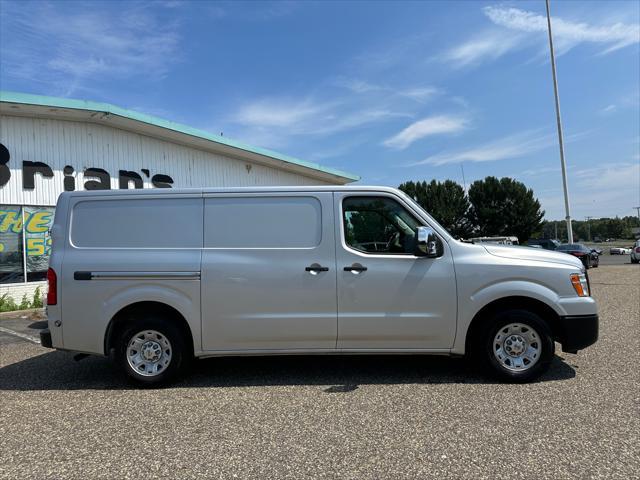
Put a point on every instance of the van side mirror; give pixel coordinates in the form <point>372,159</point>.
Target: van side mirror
<point>426,242</point>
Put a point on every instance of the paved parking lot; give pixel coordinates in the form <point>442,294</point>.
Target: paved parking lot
<point>330,417</point>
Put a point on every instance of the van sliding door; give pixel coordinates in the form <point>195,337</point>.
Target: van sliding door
<point>268,272</point>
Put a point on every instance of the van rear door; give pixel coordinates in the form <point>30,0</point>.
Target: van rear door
<point>268,272</point>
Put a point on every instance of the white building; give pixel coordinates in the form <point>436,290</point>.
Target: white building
<point>49,145</point>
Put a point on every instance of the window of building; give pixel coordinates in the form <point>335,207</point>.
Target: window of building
<point>11,244</point>
<point>25,243</point>
<point>37,227</point>
<point>378,225</point>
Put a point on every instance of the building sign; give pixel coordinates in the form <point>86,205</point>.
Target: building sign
<point>99,179</point>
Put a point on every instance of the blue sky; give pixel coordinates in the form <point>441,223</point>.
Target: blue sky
<point>391,91</point>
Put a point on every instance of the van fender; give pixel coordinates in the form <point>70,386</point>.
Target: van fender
<point>184,304</point>
<point>470,307</point>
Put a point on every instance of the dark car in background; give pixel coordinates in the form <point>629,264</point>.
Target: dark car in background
<point>588,256</point>
<point>546,243</point>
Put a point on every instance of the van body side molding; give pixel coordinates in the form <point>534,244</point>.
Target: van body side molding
<point>81,275</point>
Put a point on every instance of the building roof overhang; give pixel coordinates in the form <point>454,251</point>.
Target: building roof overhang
<point>23,104</point>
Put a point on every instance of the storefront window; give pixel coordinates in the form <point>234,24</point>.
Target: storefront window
<point>31,243</point>
<point>37,222</point>
<point>11,244</point>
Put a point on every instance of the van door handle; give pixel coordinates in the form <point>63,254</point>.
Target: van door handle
<point>355,268</point>
<point>316,268</point>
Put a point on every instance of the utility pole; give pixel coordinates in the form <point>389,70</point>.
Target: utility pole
<point>638,209</point>
<point>560,138</point>
<point>588,228</point>
<point>464,182</point>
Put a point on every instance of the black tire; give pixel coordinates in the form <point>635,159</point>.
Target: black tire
<point>483,348</point>
<point>175,351</point>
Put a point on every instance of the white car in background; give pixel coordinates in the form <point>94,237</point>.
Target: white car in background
<point>635,252</point>
<point>619,251</point>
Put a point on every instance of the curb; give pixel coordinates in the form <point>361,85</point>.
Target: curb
<point>28,311</point>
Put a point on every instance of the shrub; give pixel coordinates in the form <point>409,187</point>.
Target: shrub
<point>7,304</point>
<point>24,303</point>
<point>37,299</point>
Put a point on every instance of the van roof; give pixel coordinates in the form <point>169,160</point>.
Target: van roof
<point>206,190</point>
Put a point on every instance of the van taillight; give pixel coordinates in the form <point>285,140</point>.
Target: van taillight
<point>52,281</point>
<point>637,249</point>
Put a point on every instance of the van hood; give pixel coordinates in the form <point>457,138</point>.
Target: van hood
<point>535,254</point>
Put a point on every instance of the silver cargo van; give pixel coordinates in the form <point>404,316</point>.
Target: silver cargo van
<point>155,278</point>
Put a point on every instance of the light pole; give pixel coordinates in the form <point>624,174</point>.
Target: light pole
<point>560,139</point>
<point>638,209</point>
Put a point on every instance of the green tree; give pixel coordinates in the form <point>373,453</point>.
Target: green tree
<point>445,201</point>
<point>501,207</point>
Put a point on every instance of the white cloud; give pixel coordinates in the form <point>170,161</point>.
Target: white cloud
<point>357,86</point>
<point>70,47</point>
<point>601,191</point>
<point>609,109</point>
<point>522,29</point>
<point>420,94</point>
<point>512,146</point>
<point>423,128</point>
<point>622,102</point>
<point>279,112</point>
<point>612,176</point>
<point>271,121</point>
<point>566,33</point>
<point>489,45</point>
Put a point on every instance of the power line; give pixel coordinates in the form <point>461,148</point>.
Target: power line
<point>588,228</point>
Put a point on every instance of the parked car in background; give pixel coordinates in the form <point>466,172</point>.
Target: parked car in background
<point>635,253</point>
<point>619,251</point>
<point>587,256</point>
<point>495,240</point>
<point>546,243</point>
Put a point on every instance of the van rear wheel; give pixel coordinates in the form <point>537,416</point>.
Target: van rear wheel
<point>151,351</point>
<point>517,346</point>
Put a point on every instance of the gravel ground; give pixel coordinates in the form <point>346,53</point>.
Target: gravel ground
<point>332,417</point>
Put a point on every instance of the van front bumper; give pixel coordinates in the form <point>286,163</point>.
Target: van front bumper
<point>578,331</point>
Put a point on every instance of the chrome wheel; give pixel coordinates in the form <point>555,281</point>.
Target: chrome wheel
<point>149,353</point>
<point>517,347</point>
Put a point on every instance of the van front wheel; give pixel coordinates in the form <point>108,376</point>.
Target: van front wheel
<point>517,346</point>
<point>151,351</point>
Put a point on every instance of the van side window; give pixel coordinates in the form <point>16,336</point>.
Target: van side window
<point>262,222</point>
<point>378,225</point>
<point>137,223</point>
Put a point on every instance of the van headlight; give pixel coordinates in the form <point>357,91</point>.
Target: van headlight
<point>580,284</point>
